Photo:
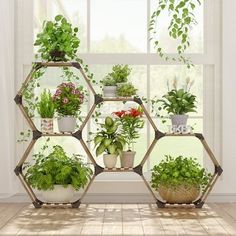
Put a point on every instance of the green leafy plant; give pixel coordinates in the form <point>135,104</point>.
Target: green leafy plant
<point>108,139</point>
<point>68,99</point>
<point>46,106</point>
<point>57,169</point>
<point>176,101</point>
<point>126,90</point>
<point>181,20</point>
<point>58,40</point>
<point>120,73</point>
<point>131,122</point>
<point>172,172</point>
<point>108,81</point>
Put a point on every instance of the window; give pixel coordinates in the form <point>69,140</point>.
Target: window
<point>115,32</point>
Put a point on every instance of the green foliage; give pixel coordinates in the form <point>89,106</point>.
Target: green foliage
<point>68,99</point>
<point>24,136</point>
<point>57,169</point>
<point>181,21</point>
<point>173,172</point>
<point>46,106</point>
<point>108,139</point>
<point>58,40</point>
<point>120,73</point>
<point>108,81</point>
<point>126,90</point>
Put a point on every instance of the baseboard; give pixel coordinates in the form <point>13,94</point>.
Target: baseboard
<point>122,198</point>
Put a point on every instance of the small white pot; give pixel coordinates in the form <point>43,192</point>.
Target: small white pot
<point>178,120</point>
<point>109,91</point>
<point>109,160</point>
<point>47,125</point>
<point>127,159</point>
<point>59,194</point>
<point>66,124</point>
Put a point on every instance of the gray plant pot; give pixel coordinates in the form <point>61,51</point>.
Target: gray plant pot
<point>109,91</point>
<point>66,124</point>
<point>178,120</point>
<point>127,159</point>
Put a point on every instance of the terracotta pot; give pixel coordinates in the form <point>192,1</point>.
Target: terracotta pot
<point>47,125</point>
<point>59,194</point>
<point>109,160</point>
<point>66,124</point>
<point>127,159</point>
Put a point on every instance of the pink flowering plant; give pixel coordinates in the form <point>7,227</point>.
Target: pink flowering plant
<point>68,99</point>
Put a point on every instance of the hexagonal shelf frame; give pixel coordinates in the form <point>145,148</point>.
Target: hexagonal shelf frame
<point>78,135</point>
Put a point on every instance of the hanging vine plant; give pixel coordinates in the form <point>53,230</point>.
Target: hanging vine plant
<point>181,20</point>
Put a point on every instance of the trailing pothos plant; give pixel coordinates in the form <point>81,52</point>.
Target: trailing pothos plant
<point>181,21</point>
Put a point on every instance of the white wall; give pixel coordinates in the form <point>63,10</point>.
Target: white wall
<point>225,189</point>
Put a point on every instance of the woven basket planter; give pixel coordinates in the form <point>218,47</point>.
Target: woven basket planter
<point>183,193</point>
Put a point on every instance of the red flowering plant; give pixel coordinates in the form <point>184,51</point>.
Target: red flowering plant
<point>68,99</point>
<point>131,122</point>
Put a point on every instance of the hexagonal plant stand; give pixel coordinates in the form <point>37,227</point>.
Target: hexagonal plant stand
<point>78,135</point>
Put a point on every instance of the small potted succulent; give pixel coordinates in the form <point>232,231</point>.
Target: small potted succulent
<point>58,40</point>
<point>120,74</point>
<point>180,179</point>
<point>68,99</point>
<point>110,141</point>
<point>109,86</point>
<point>126,90</point>
<point>178,103</point>
<point>46,110</point>
<point>56,175</point>
<point>131,122</point>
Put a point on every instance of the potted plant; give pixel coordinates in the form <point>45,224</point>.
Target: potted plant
<point>126,90</point>
<point>56,175</point>
<point>177,103</point>
<point>109,86</point>
<point>68,99</point>
<point>108,140</point>
<point>120,73</point>
<point>179,180</point>
<point>58,40</point>
<point>131,122</point>
<point>46,110</point>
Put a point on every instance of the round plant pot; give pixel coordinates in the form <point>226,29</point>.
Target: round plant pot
<point>109,91</point>
<point>127,159</point>
<point>178,120</point>
<point>57,55</point>
<point>59,194</point>
<point>109,160</point>
<point>47,125</point>
<point>183,193</point>
<point>66,124</point>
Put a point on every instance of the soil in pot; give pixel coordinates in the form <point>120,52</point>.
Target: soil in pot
<point>109,160</point>
<point>59,194</point>
<point>57,55</point>
<point>66,124</point>
<point>127,159</point>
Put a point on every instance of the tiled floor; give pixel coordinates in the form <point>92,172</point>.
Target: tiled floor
<point>117,219</point>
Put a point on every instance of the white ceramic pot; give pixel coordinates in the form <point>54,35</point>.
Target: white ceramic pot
<point>127,159</point>
<point>109,91</point>
<point>59,194</point>
<point>66,124</point>
<point>178,120</point>
<point>47,125</point>
<point>109,160</point>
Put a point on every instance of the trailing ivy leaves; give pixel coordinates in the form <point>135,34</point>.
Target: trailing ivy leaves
<point>182,19</point>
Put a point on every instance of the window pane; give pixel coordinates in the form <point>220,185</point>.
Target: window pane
<point>196,35</point>
<point>162,73</point>
<point>118,26</point>
<point>74,10</point>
